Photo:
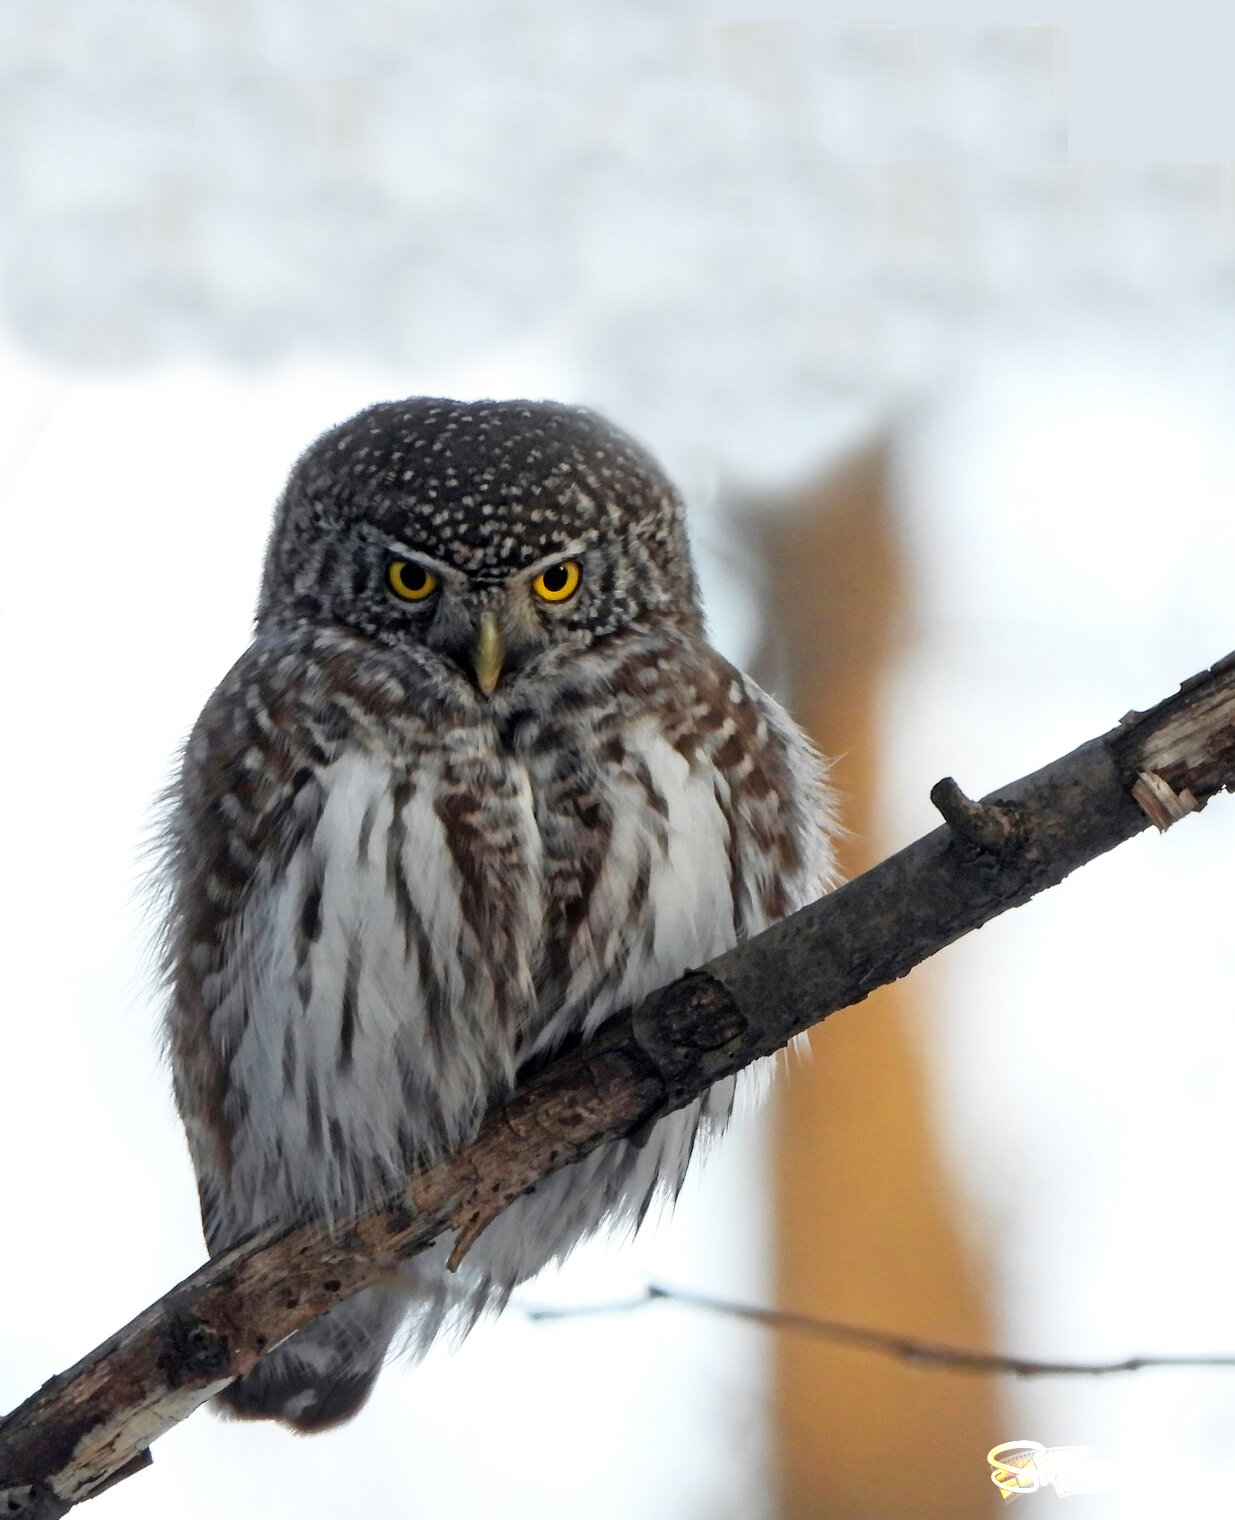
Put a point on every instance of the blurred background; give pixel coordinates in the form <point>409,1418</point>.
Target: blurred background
<point>952,411</point>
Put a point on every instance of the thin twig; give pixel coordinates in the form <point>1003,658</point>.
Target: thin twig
<point>906,1348</point>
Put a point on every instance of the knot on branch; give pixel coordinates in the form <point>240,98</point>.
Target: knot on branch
<point>1160,802</point>
<point>993,827</point>
<point>192,1349</point>
<point>693,1038</point>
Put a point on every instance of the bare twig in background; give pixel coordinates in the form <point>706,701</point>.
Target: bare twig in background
<point>906,1348</point>
<point>94,1424</point>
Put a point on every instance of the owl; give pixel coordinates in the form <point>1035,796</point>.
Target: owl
<point>478,783</point>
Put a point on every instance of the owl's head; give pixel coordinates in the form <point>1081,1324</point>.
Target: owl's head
<point>487,532</point>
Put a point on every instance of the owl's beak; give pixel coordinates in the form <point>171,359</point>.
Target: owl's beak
<point>488,653</point>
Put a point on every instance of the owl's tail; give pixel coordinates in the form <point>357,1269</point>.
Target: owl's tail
<point>321,1375</point>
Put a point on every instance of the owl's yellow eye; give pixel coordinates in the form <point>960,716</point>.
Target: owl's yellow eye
<point>409,580</point>
<point>558,582</point>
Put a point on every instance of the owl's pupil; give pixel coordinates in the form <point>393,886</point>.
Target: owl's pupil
<point>556,579</point>
<point>414,577</point>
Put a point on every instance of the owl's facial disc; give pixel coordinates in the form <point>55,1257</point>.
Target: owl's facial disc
<point>554,584</point>
<point>485,627</point>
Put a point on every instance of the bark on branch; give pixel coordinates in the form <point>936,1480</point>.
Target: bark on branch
<point>92,1425</point>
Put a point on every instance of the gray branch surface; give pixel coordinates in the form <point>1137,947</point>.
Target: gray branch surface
<point>93,1425</point>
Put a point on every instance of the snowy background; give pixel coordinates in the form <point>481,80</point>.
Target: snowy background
<point>224,228</point>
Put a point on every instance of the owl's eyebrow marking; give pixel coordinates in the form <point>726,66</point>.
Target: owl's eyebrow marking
<point>440,568</point>
<point>573,550</point>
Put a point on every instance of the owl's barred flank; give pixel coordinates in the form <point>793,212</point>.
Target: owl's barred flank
<point>478,782</point>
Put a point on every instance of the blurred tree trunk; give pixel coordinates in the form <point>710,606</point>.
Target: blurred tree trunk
<point>865,1221</point>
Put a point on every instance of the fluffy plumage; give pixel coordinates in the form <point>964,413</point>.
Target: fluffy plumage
<point>392,890</point>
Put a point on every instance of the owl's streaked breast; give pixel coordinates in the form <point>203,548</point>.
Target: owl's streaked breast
<point>437,922</point>
<point>447,893</point>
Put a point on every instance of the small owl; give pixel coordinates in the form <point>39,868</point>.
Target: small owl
<point>479,782</point>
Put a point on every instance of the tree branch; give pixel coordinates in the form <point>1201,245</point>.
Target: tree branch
<point>93,1424</point>
<point>905,1348</point>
